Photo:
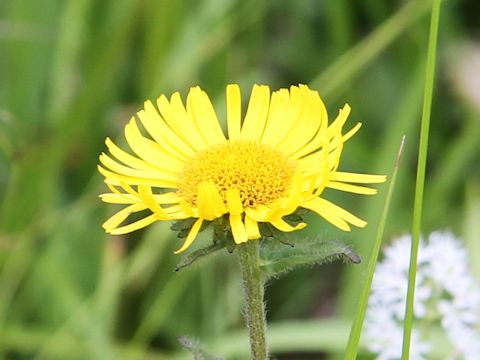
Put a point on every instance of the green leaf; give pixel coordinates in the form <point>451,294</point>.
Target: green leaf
<point>197,254</point>
<point>277,259</point>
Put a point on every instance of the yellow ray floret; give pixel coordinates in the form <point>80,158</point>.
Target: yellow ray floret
<point>277,158</point>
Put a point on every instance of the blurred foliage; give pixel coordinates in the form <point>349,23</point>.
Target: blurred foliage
<point>73,71</point>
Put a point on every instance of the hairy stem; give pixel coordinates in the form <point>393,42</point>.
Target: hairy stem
<point>253,288</point>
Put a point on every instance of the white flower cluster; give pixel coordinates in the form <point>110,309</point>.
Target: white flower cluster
<point>445,292</point>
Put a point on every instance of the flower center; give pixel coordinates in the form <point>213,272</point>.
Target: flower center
<point>258,171</point>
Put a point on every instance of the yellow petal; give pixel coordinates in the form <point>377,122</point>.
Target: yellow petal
<point>279,120</point>
<point>129,189</point>
<point>210,203</point>
<point>118,198</point>
<point>116,179</point>
<point>352,132</point>
<point>145,193</point>
<point>351,188</point>
<point>128,159</point>
<point>176,212</point>
<point>201,110</point>
<point>251,227</point>
<point>168,198</point>
<point>322,163</point>
<point>344,214</point>
<point>293,200</point>
<point>151,151</point>
<point>121,216</point>
<point>337,125</point>
<point>259,213</point>
<point>289,204</point>
<point>234,111</point>
<point>331,218</point>
<point>234,202</point>
<point>238,229</point>
<point>282,225</point>
<point>320,140</point>
<point>308,122</point>
<point>322,207</point>
<point>257,113</point>
<point>358,178</point>
<point>186,208</point>
<point>162,133</point>
<point>191,236</point>
<point>180,121</point>
<point>136,225</point>
<point>128,171</point>
<point>113,189</point>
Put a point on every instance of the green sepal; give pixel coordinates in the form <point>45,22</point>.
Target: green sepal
<point>185,224</point>
<point>296,217</point>
<point>222,238</point>
<point>196,349</point>
<point>293,219</point>
<point>182,234</point>
<point>276,258</point>
<point>269,231</point>
<point>223,233</point>
<point>266,230</point>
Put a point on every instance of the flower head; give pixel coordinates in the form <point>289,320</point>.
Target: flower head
<point>446,295</point>
<point>278,159</point>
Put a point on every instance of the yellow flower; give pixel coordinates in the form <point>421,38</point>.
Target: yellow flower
<point>278,159</point>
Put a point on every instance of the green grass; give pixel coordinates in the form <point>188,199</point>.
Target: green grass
<point>351,350</point>
<point>73,72</point>
<point>420,179</point>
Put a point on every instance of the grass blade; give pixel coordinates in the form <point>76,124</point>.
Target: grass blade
<point>420,181</point>
<point>355,332</point>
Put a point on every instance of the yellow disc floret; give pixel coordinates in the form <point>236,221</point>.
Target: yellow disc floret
<point>260,172</point>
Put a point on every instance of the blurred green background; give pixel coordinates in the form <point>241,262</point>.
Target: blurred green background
<point>73,72</point>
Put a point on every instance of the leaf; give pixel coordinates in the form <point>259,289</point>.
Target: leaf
<point>197,254</point>
<point>277,259</point>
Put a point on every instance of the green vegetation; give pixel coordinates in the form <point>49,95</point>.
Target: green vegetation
<point>74,71</point>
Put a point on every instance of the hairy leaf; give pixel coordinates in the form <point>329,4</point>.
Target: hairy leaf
<point>277,259</point>
<point>197,254</point>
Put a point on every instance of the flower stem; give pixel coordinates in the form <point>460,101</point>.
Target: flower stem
<point>253,288</point>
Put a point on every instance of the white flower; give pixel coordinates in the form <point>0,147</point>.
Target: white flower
<point>445,292</point>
